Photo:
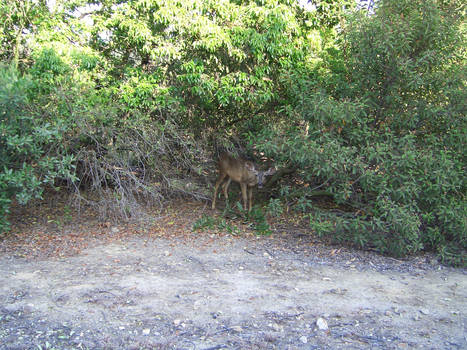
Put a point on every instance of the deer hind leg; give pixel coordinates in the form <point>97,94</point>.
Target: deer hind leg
<point>216,187</point>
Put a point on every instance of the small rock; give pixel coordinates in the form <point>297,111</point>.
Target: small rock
<point>270,338</point>
<point>425,311</point>
<point>338,291</point>
<point>197,304</point>
<point>146,331</point>
<point>276,327</point>
<point>115,229</point>
<point>28,308</point>
<point>322,324</point>
<point>237,329</point>
<point>177,322</point>
<point>303,339</point>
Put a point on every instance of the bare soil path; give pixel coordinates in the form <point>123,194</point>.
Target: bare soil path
<point>215,291</point>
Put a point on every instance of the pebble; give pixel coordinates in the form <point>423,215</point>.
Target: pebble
<point>303,339</point>
<point>322,324</point>
<point>276,327</point>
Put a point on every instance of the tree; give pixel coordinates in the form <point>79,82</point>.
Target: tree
<point>20,19</point>
<point>330,13</point>
<point>402,62</point>
<point>220,62</point>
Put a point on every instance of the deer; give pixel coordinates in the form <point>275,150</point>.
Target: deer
<point>242,171</point>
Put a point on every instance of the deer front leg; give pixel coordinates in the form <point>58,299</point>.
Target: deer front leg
<point>243,186</point>
<point>226,187</point>
<point>216,187</point>
<point>250,197</point>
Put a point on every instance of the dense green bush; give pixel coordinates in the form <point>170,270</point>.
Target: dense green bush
<point>389,142</point>
<point>31,155</point>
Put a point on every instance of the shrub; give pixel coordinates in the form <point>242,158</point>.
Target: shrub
<point>31,155</point>
<point>387,137</point>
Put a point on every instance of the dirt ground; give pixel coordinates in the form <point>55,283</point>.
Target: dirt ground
<point>79,285</point>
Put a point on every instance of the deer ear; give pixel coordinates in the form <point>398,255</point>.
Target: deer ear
<point>270,171</point>
<point>250,166</point>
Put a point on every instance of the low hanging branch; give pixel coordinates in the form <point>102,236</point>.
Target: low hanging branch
<point>278,175</point>
<point>290,170</point>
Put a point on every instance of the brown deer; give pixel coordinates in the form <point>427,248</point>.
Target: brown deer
<point>243,172</point>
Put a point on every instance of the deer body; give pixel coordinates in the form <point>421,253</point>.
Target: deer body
<point>241,171</point>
